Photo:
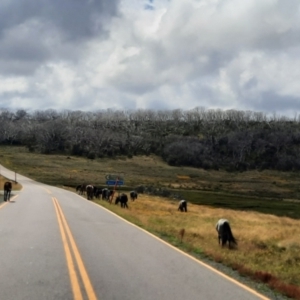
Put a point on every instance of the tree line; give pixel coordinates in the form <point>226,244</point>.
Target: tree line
<point>209,139</point>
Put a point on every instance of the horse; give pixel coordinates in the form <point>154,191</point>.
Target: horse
<point>81,189</point>
<point>89,192</point>
<point>133,195</point>
<point>123,199</point>
<point>97,192</point>
<point>110,194</point>
<point>7,190</point>
<point>182,205</point>
<point>78,188</point>
<point>225,234</point>
<point>106,194</point>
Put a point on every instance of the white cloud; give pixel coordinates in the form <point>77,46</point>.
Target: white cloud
<point>182,54</point>
<point>12,84</point>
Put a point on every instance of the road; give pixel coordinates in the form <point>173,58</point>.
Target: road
<point>57,245</point>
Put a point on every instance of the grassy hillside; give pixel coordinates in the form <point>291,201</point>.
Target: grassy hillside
<point>268,244</point>
<point>268,192</point>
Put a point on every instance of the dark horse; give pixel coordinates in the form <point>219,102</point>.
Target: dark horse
<point>123,199</point>
<point>224,233</point>
<point>106,194</point>
<point>133,195</point>
<point>7,190</point>
<point>97,192</point>
<point>81,189</point>
<point>182,205</point>
<point>89,192</point>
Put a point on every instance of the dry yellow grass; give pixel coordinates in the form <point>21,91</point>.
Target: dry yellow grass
<point>147,170</point>
<point>15,186</point>
<point>266,243</point>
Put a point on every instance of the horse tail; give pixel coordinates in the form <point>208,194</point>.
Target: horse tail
<point>231,238</point>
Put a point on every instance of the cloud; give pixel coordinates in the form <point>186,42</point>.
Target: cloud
<point>234,51</point>
<point>181,54</point>
<point>76,19</point>
<point>36,32</point>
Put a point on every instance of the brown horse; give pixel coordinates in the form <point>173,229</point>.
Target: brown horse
<point>7,190</point>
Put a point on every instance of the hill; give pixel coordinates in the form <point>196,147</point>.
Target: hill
<point>268,245</point>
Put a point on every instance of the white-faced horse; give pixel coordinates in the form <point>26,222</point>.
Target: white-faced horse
<point>89,192</point>
<point>225,234</point>
<point>182,205</point>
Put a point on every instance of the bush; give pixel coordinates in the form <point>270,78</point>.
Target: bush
<point>91,155</point>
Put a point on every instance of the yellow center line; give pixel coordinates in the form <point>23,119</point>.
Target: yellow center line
<point>72,273</point>
<point>49,192</point>
<point>83,273</point>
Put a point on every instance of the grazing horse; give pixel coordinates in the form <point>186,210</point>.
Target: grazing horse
<point>97,192</point>
<point>106,194</point>
<point>89,192</point>
<point>78,188</point>
<point>81,189</point>
<point>182,205</point>
<point>133,195</point>
<point>7,190</point>
<point>123,199</point>
<point>224,233</point>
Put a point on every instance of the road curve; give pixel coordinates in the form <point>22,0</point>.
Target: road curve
<point>57,245</point>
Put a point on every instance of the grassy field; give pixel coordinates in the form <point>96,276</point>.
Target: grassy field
<point>268,192</point>
<point>263,208</point>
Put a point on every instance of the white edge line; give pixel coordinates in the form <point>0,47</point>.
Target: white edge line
<point>184,253</point>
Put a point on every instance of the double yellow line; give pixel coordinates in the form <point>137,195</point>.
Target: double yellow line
<point>72,254</point>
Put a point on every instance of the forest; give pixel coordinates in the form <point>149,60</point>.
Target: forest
<point>230,140</point>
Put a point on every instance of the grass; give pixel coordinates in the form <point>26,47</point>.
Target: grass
<point>268,246</point>
<point>275,206</point>
<point>151,170</point>
<point>263,208</point>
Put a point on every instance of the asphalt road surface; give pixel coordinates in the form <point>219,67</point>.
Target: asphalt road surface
<point>56,244</point>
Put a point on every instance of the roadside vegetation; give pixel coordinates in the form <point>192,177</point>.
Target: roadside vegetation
<point>209,139</point>
<point>262,207</point>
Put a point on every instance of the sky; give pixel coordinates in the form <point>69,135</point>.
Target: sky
<point>92,55</point>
